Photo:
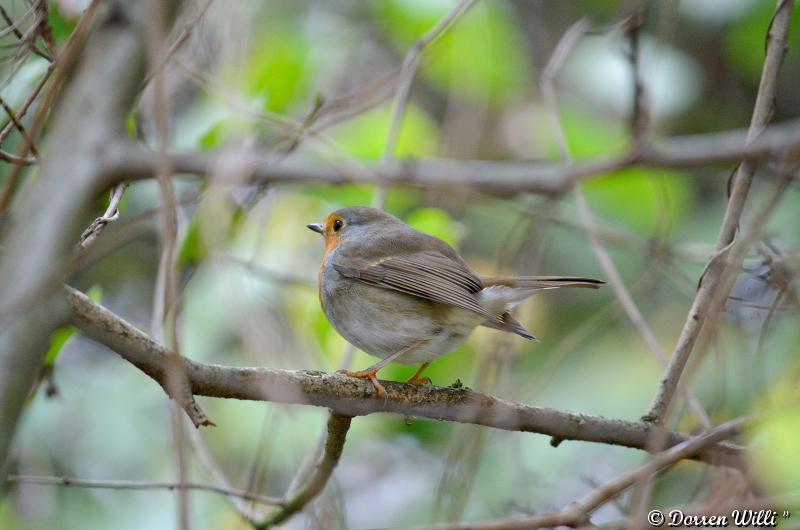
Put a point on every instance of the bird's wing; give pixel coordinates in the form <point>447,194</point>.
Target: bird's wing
<point>428,275</point>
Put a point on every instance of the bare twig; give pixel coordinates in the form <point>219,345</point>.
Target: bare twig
<point>405,80</point>
<point>337,433</point>
<point>109,216</point>
<point>166,293</point>
<point>185,33</point>
<point>351,397</point>
<point>576,514</point>
<point>567,42</point>
<point>141,485</point>
<point>639,116</point>
<point>702,311</point>
<point>14,120</point>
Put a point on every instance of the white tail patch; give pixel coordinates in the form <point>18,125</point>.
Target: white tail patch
<point>500,298</point>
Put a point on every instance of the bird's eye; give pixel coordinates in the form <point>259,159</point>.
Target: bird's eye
<point>337,225</point>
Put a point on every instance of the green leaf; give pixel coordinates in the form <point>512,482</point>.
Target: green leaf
<point>58,340</point>
<point>60,337</point>
<point>62,24</point>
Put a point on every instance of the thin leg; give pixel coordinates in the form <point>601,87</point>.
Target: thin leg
<point>371,372</point>
<point>423,380</point>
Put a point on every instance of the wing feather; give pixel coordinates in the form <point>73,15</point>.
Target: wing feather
<point>429,275</point>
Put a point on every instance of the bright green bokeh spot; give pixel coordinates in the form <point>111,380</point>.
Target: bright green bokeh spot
<point>365,137</point>
<point>775,442</point>
<point>435,222</point>
<point>277,68</point>
<point>646,200</point>
<point>481,56</point>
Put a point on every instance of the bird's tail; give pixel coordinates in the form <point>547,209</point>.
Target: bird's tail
<point>541,282</point>
<point>500,294</point>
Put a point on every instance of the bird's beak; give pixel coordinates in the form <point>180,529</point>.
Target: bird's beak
<point>316,227</point>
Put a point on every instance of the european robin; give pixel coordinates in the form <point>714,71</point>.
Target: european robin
<point>408,297</point>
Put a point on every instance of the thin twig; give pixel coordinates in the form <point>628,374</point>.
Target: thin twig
<point>702,311</point>
<point>141,485</point>
<point>186,32</point>
<point>166,294</point>
<point>109,216</point>
<point>567,42</point>
<point>576,514</point>
<point>14,120</point>
<point>404,82</point>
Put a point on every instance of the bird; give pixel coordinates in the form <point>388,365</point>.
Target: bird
<point>408,297</point>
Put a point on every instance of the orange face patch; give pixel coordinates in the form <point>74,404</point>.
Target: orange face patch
<point>334,224</point>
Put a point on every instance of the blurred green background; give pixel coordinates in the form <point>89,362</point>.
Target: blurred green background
<point>250,78</point>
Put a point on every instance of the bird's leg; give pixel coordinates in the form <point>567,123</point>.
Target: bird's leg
<point>423,380</point>
<point>371,372</point>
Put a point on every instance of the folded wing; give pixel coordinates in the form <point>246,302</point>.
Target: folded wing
<point>429,275</point>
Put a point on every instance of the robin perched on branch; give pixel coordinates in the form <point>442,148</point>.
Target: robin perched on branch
<point>409,297</point>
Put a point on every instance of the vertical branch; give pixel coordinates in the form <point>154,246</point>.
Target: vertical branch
<point>167,294</point>
<point>703,311</point>
<point>567,42</point>
<point>405,80</point>
<point>640,119</point>
<point>334,445</point>
<point>46,219</point>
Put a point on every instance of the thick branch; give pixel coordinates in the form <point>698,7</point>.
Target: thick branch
<point>353,397</point>
<point>46,218</point>
<point>132,162</point>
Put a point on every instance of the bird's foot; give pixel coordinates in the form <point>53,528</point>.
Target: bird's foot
<point>370,374</point>
<point>417,379</point>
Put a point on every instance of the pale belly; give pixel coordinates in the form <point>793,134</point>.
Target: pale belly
<point>381,322</point>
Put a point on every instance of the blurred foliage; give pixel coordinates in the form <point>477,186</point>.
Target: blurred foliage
<point>365,136</point>
<point>482,58</point>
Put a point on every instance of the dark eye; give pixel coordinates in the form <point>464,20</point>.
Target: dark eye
<point>337,225</point>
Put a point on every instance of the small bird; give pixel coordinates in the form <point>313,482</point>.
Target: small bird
<point>408,297</point>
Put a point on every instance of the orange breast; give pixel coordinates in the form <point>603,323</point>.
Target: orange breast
<point>332,241</point>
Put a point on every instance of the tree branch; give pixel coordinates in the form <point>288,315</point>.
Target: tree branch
<point>141,485</point>
<point>353,397</point>
<point>337,433</point>
<point>703,310</point>
<point>576,514</point>
<point>128,161</point>
<point>45,220</point>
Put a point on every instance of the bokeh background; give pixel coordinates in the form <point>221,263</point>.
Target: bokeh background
<point>311,82</point>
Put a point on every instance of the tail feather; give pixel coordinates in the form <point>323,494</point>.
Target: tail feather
<point>541,282</point>
<point>510,324</point>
